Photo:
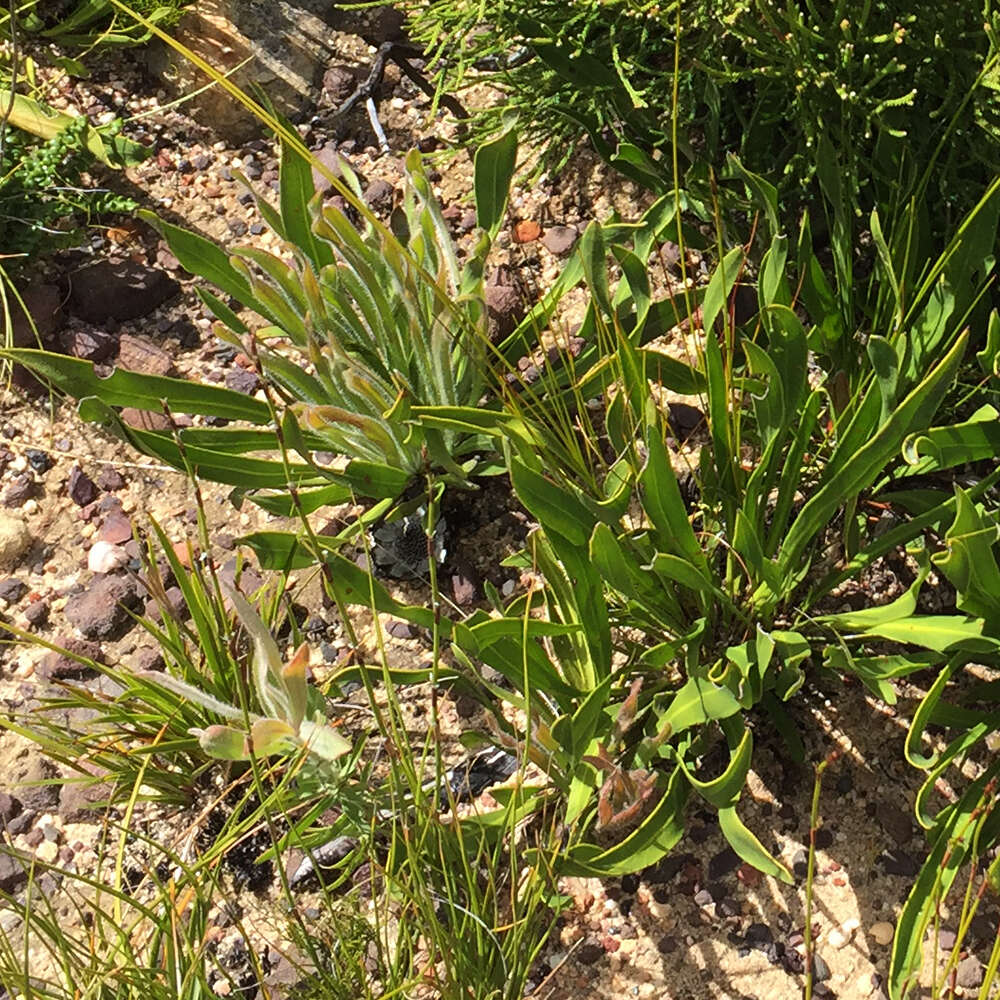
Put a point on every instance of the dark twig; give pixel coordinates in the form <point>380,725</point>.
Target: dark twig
<point>400,54</point>
<point>445,100</point>
<point>370,84</point>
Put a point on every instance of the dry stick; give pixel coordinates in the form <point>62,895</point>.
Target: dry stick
<point>813,820</point>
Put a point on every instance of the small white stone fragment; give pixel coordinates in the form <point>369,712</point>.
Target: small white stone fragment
<point>864,987</point>
<point>837,938</point>
<point>47,851</point>
<point>104,557</point>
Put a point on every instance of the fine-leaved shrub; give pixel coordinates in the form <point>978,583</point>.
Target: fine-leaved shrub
<point>861,97</point>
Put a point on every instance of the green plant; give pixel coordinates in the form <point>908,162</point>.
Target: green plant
<point>724,589</point>
<point>662,626</point>
<point>462,901</point>
<point>281,689</point>
<point>42,204</point>
<point>794,90</point>
<point>92,23</point>
<point>852,116</point>
<point>966,829</point>
<point>44,195</point>
<point>360,328</point>
<point>140,925</point>
<point>153,947</point>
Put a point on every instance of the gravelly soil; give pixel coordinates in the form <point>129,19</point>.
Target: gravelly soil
<point>698,925</point>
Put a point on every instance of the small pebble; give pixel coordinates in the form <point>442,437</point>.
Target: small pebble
<point>667,944</point>
<point>81,487</point>
<point>821,971</point>
<point>969,973</point>
<point>104,557</point>
<point>882,932</point>
<point>837,938</point>
<point>800,864</point>
<point>38,460</point>
<point>47,851</point>
<point>946,939</point>
<point>37,613</point>
<point>824,839</point>
<point>864,987</point>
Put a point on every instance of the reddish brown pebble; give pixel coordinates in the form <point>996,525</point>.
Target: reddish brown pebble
<point>182,551</point>
<point>560,240</point>
<point>117,528</point>
<point>526,231</point>
<point>81,487</point>
<point>110,480</point>
<point>610,944</point>
<point>138,354</point>
<point>144,420</point>
<point>748,875</point>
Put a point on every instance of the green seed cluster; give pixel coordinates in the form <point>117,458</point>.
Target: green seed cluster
<point>43,200</point>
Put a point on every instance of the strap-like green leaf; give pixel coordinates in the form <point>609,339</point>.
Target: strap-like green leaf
<point>295,192</point>
<point>749,848</point>
<point>945,447</point>
<point>697,702</point>
<point>210,262</point>
<point>556,508</point>
<point>871,458</point>
<point>725,790</point>
<point>969,561</point>
<point>494,165</point>
<point>143,392</point>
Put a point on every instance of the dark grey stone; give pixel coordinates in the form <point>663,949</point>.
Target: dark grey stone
<point>119,289</point>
